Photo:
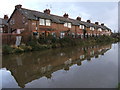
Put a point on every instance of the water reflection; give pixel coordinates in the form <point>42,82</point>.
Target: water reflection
<point>27,67</point>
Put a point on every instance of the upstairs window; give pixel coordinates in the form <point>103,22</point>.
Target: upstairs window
<point>48,22</point>
<point>45,22</point>
<point>67,25</point>
<point>81,26</point>
<point>99,29</point>
<point>42,22</point>
<point>92,28</point>
<point>106,30</point>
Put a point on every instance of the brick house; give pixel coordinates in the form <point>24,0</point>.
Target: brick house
<point>44,23</point>
<point>4,24</point>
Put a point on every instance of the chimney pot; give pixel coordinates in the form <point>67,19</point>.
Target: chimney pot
<point>78,18</point>
<point>102,24</point>
<point>5,17</point>
<point>88,21</point>
<point>47,11</point>
<point>18,6</point>
<point>96,23</point>
<point>65,15</point>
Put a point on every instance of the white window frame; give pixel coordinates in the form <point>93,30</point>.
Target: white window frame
<point>62,34</point>
<point>41,21</point>
<point>69,25</point>
<point>47,22</point>
<point>106,30</point>
<point>82,27</point>
<point>99,29</point>
<point>92,28</point>
<point>65,24</point>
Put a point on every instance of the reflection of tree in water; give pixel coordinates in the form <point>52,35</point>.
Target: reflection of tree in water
<point>30,66</point>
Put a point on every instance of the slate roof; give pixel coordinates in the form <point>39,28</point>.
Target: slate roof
<point>35,15</point>
<point>3,21</point>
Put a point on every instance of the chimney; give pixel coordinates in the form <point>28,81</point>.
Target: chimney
<point>6,17</point>
<point>65,15</point>
<point>102,24</point>
<point>88,21</point>
<point>96,23</point>
<point>78,18</point>
<point>18,6</point>
<point>47,11</point>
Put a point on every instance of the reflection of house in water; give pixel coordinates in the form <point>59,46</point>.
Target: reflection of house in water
<point>30,66</point>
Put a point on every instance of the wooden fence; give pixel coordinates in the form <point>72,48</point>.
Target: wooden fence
<point>10,39</point>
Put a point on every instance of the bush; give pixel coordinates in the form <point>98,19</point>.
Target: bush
<point>7,49</point>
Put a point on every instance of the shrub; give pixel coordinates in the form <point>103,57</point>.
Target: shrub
<point>7,49</point>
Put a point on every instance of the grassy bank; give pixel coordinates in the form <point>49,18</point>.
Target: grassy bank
<point>118,86</point>
<point>50,42</point>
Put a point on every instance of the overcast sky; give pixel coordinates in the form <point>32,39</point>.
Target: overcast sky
<point>104,12</point>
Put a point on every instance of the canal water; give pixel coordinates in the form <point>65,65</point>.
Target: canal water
<point>73,67</point>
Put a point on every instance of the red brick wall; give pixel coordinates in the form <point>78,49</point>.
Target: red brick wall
<point>18,20</point>
<point>29,27</point>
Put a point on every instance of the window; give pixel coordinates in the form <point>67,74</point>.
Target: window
<point>45,22</point>
<point>42,22</point>
<point>81,27</point>
<point>69,25</point>
<point>1,30</point>
<point>106,30</point>
<point>36,28</point>
<point>23,20</point>
<point>65,24</point>
<point>62,34</point>
<point>48,22</point>
<point>99,29</point>
<point>53,34</point>
<point>92,28</point>
<point>13,21</point>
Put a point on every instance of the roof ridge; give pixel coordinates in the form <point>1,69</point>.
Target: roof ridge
<point>61,17</point>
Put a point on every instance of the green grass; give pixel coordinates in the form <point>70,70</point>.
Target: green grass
<point>119,86</point>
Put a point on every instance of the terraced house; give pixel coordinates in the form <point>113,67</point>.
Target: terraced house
<point>45,23</point>
<point>4,24</point>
